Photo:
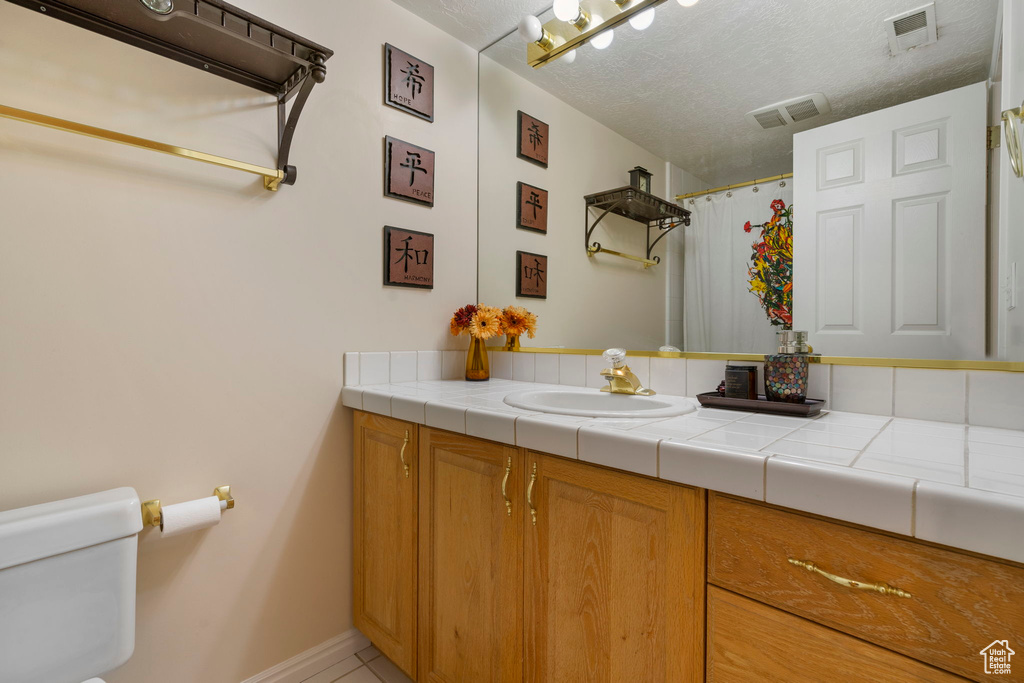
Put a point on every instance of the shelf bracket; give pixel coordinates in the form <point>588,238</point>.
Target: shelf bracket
<point>286,128</point>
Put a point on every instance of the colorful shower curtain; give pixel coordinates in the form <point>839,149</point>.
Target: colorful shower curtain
<point>721,314</point>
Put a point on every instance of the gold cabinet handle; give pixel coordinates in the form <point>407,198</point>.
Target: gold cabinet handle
<point>504,486</point>
<point>401,454</point>
<point>883,588</point>
<point>529,494</point>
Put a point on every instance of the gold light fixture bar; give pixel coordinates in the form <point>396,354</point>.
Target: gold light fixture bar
<point>759,181</point>
<point>567,38</point>
<point>272,177</point>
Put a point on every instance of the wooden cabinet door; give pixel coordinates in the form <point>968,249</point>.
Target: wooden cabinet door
<point>749,641</point>
<point>384,535</point>
<point>614,587</point>
<point>471,560</point>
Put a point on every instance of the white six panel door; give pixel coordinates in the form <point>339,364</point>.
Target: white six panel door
<point>889,230</point>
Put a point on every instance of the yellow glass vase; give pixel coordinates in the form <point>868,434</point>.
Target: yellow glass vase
<point>477,367</point>
<point>512,342</point>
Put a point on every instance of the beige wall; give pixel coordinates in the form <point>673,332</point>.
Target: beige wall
<point>171,326</point>
<point>592,302</point>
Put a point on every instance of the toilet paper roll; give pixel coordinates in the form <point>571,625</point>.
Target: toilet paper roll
<point>182,518</point>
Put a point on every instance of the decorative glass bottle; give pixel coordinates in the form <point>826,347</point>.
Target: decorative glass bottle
<point>477,367</point>
<point>785,373</point>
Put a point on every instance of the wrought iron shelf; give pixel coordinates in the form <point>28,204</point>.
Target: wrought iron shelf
<point>210,35</point>
<point>629,202</point>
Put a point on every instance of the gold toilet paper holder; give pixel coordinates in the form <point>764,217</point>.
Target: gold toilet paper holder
<point>151,515</point>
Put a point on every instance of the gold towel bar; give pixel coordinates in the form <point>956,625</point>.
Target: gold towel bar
<point>151,515</point>
<point>272,177</point>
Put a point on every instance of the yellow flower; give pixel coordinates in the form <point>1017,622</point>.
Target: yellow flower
<point>486,323</point>
<point>518,321</point>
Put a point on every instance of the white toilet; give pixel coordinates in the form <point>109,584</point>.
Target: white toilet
<point>67,587</point>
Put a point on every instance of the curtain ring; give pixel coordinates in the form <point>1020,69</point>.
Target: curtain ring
<point>755,189</point>
<point>782,183</point>
<point>729,193</point>
<point>708,198</point>
<point>692,202</point>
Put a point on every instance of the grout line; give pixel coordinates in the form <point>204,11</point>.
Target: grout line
<point>892,407</point>
<point>913,508</point>
<point>967,397</point>
<point>871,441</point>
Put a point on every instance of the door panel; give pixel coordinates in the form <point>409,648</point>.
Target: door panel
<point>889,231</point>
<point>471,560</point>
<point>384,535</point>
<point>614,576</point>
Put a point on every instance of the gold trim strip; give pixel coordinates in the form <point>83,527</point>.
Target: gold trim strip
<point>927,363</point>
<point>759,181</point>
<point>272,177</point>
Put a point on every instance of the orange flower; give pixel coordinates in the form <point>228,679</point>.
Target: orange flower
<point>518,321</point>
<point>486,323</point>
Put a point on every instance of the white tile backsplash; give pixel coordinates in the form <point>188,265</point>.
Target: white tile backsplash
<point>501,364</point>
<point>351,369</point>
<point>403,366</point>
<point>931,394</point>
<point>860,389</point>
<point>996,399</point>
<point>595,364</point>
<point>374,367</point>
<point>572,370</point>
<point>819,382</point>
<point>428,365</point>
<point>546,368</point>
<point>524,367</point>
<point>703,375</point>
<point>453,365</point>
<point>668,376</point>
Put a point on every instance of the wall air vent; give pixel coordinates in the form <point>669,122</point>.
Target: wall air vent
<point>791,111</point>
<point>911,29</point>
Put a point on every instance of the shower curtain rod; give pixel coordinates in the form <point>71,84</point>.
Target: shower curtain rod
<point>783,176</point>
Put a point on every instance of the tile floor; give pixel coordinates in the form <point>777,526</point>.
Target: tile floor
<point>366,666</point>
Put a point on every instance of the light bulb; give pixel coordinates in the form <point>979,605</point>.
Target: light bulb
<point>642,20</point>
<point>567,10</point>
<point>687,3</point>
<point>568,58</point>
<point>604,38</point>
<point>530,29</point>
<point>159,6</point>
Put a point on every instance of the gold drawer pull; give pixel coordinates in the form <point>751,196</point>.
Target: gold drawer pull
<point>504,486</point>
<point>529,494</point>
<point>883,588</point>
<point>401,454</point>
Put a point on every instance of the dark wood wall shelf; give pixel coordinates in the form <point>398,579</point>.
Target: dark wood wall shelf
<point>215,37</point>
<point>656,213</point>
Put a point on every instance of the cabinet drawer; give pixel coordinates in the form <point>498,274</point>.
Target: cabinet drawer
<point>748,641</point>
<point>959,604</point>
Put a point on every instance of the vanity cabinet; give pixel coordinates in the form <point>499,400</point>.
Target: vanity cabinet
<point>614,575</point>
<point>470,560</point>
<point>384,535</point>
<point>938,606</point>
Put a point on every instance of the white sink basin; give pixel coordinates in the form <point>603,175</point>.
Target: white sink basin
<point>595,403</point>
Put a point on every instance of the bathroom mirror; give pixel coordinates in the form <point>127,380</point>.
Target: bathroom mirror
<point>897,249</point>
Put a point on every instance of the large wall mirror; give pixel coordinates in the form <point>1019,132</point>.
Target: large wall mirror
<point>882,222</point>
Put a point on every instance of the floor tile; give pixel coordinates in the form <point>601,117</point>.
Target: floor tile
<point>334,673</point>
<point>387,671</point>
<point>360,675</point>
<point>368,654</point>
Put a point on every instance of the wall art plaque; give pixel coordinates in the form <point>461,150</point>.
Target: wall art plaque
<point>408,258</point>
<point>408,172</point>
<point>532,140</point>
<point>531,208</point>
<point>531,275</point>
<point>408,83</point>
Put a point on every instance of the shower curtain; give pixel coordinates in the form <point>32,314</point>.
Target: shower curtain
<point>720,314</point>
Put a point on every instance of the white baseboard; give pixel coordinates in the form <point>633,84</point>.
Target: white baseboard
<point>314,660</point>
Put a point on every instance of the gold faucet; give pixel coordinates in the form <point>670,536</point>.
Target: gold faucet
<point>621,379</point>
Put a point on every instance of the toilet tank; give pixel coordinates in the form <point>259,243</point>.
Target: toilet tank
<point>67,587</point>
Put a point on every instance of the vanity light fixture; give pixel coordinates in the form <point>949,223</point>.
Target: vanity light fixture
<point>159,6</point>
<point>581,21</point>
<point>571,12</point>
<point>687,3</point>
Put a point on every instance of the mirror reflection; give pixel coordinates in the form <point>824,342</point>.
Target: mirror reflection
<point>721,171</point>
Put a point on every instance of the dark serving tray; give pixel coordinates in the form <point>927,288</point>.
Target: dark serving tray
<point>808,408</point>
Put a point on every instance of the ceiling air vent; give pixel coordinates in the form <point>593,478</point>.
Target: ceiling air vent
<point>911,29</point>
<point>791,111</point>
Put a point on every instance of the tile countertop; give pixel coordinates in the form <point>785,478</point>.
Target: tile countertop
<point>958,485</point>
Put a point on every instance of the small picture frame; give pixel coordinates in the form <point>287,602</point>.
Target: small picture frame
<point>408,83</point>
<point>408,172</point>
<point>531,275</point>
<point>532,139</point>
<point>531,208</point>
<point>408,258</point>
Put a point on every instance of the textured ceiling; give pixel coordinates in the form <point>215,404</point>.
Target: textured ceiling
<point>478,23</point>
<point>680,88</point>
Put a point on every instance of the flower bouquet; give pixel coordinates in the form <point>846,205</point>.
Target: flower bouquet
<point>517,321</point>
